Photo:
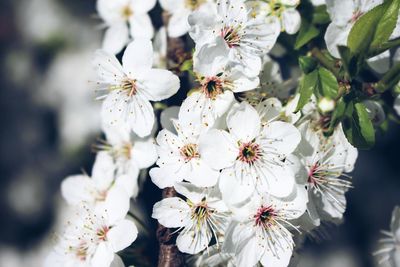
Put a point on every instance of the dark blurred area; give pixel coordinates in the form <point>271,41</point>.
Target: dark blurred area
<point>49,118</point>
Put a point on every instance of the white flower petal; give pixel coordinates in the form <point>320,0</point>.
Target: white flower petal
<point>103,256</point>
<point>163,177</point>
<point>291,20</point>
<point>218,149</point>
<point>172,5</point>
<point>158,84</point>
<point>141,27</point>
<point>122,234</point>
<point>143,6</point>
<point>103,170</point>
<point>279,258</point>
<point>234,191</point>
<point>244,122</point>
<point>138,57</point>
<point>76,189</point>
<point>140,116</point>
<point>341,12</point>
<point>117,262</point>
<point>115,38</point>
<point>280,181</point>
<point>116,205</point>
<point>193,242</point>
<point>397,105</point>
<point>202,175</point>
<point>166,117</point>
<point>282,137</point>
<point>335,36</point>
<point>178,24</point>
<point>144,153</point>
<point>171,212</point>
<point>108,67</point>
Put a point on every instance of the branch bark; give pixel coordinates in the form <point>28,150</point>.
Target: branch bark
<point>169,255</point>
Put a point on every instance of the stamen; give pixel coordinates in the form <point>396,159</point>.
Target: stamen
<point>231,36</point>
<point>212,87</point>
<point>189,152</point>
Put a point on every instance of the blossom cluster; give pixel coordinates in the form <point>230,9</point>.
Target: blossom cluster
<point>251,170</point>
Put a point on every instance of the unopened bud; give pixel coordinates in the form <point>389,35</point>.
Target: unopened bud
<point>326,105</point>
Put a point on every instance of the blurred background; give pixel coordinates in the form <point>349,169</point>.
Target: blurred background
<point>49,118</point>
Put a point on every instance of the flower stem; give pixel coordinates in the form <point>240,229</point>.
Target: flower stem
<point>324,61</point>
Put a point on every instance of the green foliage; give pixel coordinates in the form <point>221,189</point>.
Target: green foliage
<point>306,34</point>
<point>357,126</point>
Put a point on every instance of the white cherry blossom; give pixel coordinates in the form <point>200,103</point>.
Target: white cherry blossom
<point>261,230</point>
<point>94,236</point>
<point>179,156</point>
<point>282,12</point>
<point>125,19</point>
<point>180,10</point>
<point>129,152</point>
<point>198,218</point>
<point>218,83</point>
<point>389,246</point>
<point>326,161</point>
<point>102,186</point>
<point>130,87</point>
<point>245,40</point>
<point>250,155</point>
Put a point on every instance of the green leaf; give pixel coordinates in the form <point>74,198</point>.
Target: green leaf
<point>374,27</point>
<point>187,65</point>
<point>307,64</point>
<point>358,128</point>
<point>307,86</point>
<point>306,34</point>
<point>320,15</point>
<point>349,61</point>
<point>327,84</point>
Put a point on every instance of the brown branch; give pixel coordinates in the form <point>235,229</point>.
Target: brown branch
<point>169,255</point>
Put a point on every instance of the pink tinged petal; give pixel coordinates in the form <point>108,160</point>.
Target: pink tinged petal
<point>172,212</point>
<point>115,38</point>
<point>78,188</point>
<point>218,149</point>
<point>122,234</point>
<point>103,256</point>
<point>291,21</point>
<point>234,191</point>
<point>282,137</point>
<point>141,27</point>
<point>164,177</point>
<point>280,257</point>
<point>158,84</point>
<point>138,57</point>
<point>140,116</point>
<point>244,122</point>
<point>193,242</point>
<point>201,174</point>
<point>103,170</point>
<point>108,67</point>
<point>116,205</point>
<point>143,6</point>
<point>178,24</point>
<point>144,153</point>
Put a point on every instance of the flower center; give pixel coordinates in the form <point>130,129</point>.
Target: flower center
<point>249,152</point>
<point>127,12</point>
<point>102,233</point>
<point>190,151</point>
<point>125,150</point>
<point>231,36</point>
<point>80,251</point>
<point>129,86</point>
<point>276,8</point>
<point>194,4</point>
<point>212,87</point>
<point>265,216</point>
<point>201,212</point>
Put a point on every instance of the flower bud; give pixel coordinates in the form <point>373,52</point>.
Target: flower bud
<point>326,105</point>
